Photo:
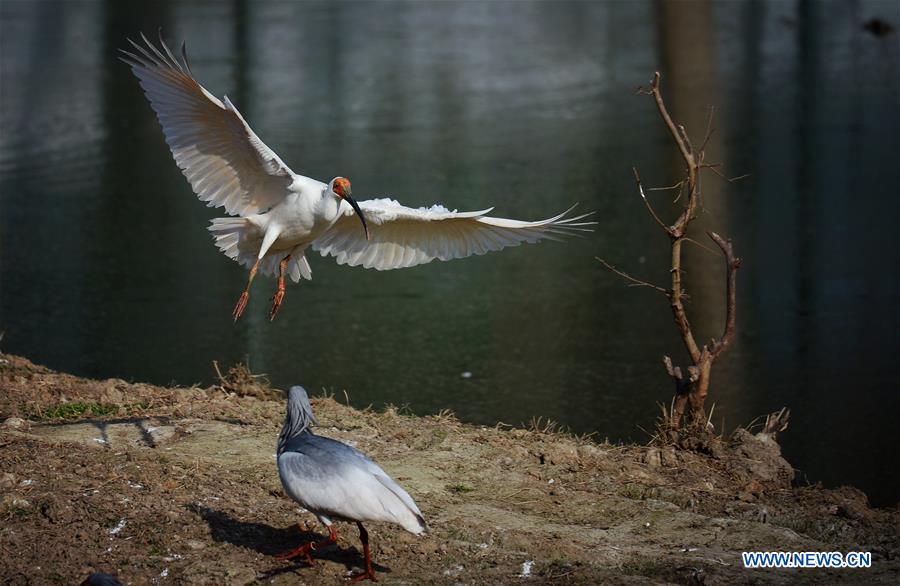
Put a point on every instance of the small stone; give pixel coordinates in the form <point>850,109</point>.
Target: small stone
<point>195,544</point>
<point>14,423</point>
<point>754,487</point>
<point>669,457</point>
<point>653,458</point>
<point>11,501</point>
<point>111,392</point>
<point>7,480</point>
<point>587,451</point>
<point>561,454</point>
<point>428,547</point>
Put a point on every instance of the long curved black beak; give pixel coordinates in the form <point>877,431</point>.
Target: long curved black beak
<point>358,211</point>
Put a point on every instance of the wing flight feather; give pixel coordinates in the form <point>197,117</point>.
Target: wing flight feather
<point>225,162</point>
<point>404,237</point>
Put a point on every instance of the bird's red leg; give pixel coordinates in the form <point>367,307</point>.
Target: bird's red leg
<point>307,548</point>
<point>279,294</point>
<point>242,300</point>
<point>369,574</point>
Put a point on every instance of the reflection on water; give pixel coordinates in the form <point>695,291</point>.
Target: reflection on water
<point>107,269</point>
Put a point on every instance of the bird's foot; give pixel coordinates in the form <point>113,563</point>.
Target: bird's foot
<point>369,574</point>
<point>305,550</point>
<point>241,305</point>
<point>276,303</point>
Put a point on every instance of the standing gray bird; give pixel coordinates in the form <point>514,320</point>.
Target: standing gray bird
<point>336,482</point>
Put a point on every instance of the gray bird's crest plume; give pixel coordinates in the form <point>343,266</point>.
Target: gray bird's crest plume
<point>298,419</point>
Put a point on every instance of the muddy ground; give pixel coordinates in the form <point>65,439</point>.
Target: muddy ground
<point>179,485</point>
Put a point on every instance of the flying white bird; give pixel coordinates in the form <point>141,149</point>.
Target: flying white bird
<point>277,214</point>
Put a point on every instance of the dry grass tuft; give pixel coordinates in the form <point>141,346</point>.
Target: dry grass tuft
<point>243,383</point>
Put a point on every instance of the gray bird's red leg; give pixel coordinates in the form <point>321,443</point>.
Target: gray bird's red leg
<point>307,548</point>
<point>279,294</point>
<point>369,574</point>
<point>242,300</point>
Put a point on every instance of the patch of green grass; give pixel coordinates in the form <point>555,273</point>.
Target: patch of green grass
<point>156,551</point>
<point>460,488</point>
<point>20,511</point>
<point>642,567</point>
<point>558,565</point>
<point>455,533</point>
<point>78,409</point>
<point>633,491</point>
<point>136,407</point>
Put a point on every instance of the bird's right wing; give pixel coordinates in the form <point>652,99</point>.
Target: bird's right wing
<point>401,494</point>
<point>222,158</point>
<point>404,237</point>
<point>334,479</point>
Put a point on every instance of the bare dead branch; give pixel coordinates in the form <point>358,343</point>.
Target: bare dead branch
<point>732,264</point>
<point>674,371</point>
<point>775,423</point>
<point>636,282</point>
<point>692,382</point>
<point>664,112</point>
<point>675,294</point>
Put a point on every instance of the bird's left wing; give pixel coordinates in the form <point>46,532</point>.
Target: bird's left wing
<point>404,237</point>
<point>222,158</point>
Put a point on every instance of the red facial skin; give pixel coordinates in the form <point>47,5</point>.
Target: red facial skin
<point>341,187</point>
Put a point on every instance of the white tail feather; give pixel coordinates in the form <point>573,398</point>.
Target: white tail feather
<point>240,239</point>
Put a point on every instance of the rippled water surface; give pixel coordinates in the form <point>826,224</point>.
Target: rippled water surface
<point>106,268</point>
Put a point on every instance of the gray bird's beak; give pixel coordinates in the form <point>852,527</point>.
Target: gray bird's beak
<point>358,211</point>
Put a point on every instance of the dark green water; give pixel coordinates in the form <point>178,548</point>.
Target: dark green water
<point>106,268</point>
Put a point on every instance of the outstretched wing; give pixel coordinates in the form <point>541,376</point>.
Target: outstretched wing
<point>405,237</point>
<point>222,158</point>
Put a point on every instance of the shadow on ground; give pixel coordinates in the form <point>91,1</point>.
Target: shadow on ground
<point>270,541</point>
<point>103,425</point>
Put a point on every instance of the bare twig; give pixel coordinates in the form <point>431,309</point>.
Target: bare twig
<point>219,373</point>
<point>775,423</point>
<point>698,244</point>
<point>637,179</point>
<point>636,282</point>
<point>678,185</point>
<point>709,128</point>
<point>714,167</point>
<point>677,132</point>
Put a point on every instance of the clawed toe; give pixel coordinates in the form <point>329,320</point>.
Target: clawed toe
<point>276,303</point>
<point>290,554</point>
<point>241,305</point>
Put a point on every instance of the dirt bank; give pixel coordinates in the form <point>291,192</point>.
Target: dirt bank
<point>164,485</point>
